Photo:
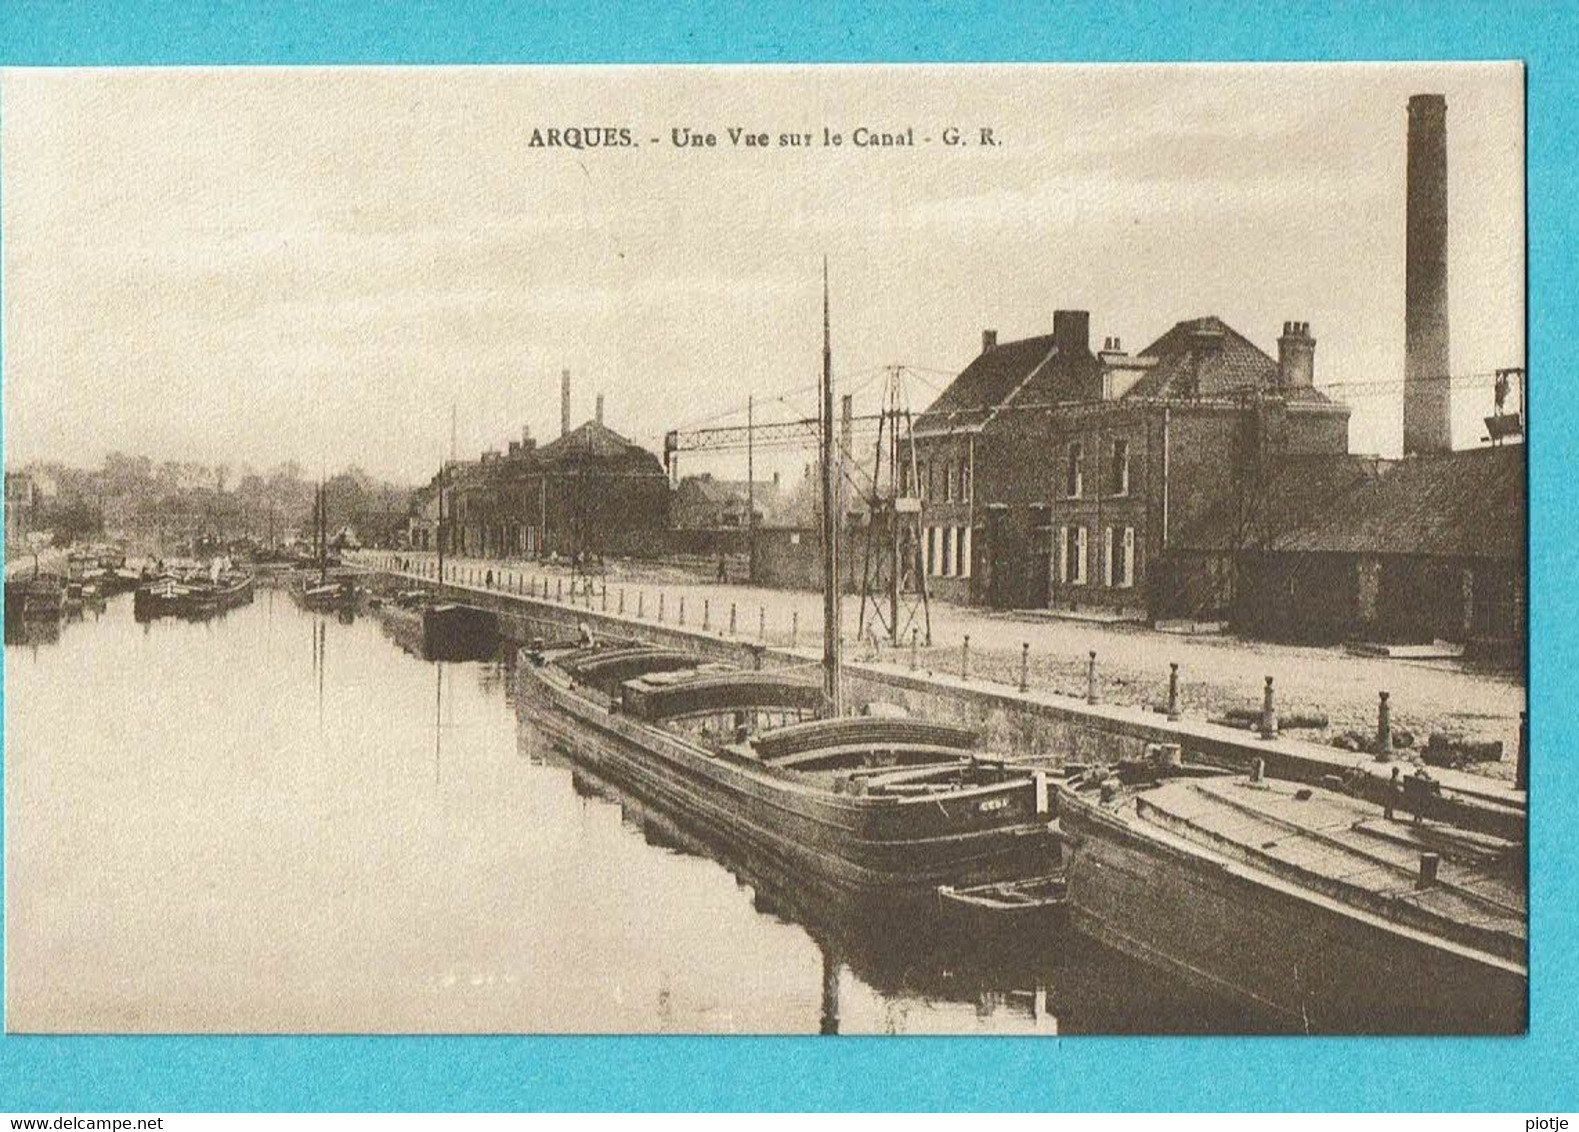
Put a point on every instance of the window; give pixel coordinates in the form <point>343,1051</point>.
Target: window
<point>964,481</point>
<point>1072,472</point>
<point>948,483</point>
<point>1072,555</point>
<point>1118,480</point>
<point>964,552</point>
<point>935,550</point>
<point>1107,557</point>
<point>950,551</point>
<point>904,479</point>
<point>931,489</point>
<point>1126,573</point>
<point>1079,570</point>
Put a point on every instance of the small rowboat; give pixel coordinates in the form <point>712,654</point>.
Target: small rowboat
<point>1029,904</point>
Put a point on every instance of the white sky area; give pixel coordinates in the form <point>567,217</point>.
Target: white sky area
<point>254,265</point>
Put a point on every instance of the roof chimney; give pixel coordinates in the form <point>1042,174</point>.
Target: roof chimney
<point>564,403</point>
<point>1072,331</point>
<point>989,340</point>
<point>1296,357</point>
<point>600,408</point>
<point>1428,411</point>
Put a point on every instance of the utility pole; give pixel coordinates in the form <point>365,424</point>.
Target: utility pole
<point>751,491</point>
<point>832,705</point>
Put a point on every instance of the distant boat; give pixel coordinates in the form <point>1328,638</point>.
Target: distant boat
<point>35,597</point>
<point>192,594</point>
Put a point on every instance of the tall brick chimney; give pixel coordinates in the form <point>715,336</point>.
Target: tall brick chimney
<point>600,408</point>
<point>564,403</point>
<point>989,341</point>
<point>1428,409</point>
<point>1296,356</point>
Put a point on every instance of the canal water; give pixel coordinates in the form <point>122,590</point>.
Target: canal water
<point>276,821</point>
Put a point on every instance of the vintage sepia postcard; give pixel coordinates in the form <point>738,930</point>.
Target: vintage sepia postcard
<point>871,549</point>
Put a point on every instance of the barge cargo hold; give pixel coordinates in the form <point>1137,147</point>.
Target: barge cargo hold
<point>1304,902</point>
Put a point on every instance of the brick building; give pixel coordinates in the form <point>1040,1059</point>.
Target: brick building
<point>1053,475</point>
<point>592,491</point>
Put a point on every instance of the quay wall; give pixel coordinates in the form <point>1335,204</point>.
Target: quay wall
<point>1040,726</point>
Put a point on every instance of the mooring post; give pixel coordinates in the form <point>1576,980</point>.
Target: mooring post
<point>794,627</point>
<point>622,601</point>
<point>1091,678</point>
<point>1025,666</point>
<point>559,589</point>
<point>641,605</point>
<point>1521,769</point>
<point>915,649</point>
<point>762,624</point>
<point>1429,862</point>
<point>1173,690</point>
<point>1268,713</point>
<point>1384,728</point>
<point>660,607</point>
<point>604,607</point>
<point>731,619</point>
<point>682,609</point>
<point>707,614</point>
<point>964,658</point>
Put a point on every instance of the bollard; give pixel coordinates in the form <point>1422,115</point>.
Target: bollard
<point>1384,728</point>
<point>559,589</point>
<point>1521,769</point>
<point>964,658</point>
<point>1429,863</point>
<point>1268,713</point>
<point>622,601</point>
<point>1025,666</point>
<point>1091,678</point>
<point>1173,691</point>
<point>605,606</point>
<point>660,607</point>
<point>707,614</point>
<point>794,627</point>
<point>915,649</point>
<point>731,619</point>
<point>1257,770</point>
<point>762,624</point>
<point>641,605</point>
<point>682,609</point>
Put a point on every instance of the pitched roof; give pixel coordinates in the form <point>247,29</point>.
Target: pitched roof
<point>1457,504</point>
<point>985,384</point>
<point>592,439</point>
<point>1231,364</point>
<point>1298,489</point>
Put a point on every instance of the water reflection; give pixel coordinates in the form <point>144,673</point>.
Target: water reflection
<point>206,834</point>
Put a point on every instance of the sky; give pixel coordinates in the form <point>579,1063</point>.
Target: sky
<point>254,265</point>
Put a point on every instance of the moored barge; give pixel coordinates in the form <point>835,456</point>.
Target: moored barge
<point>1305,902</point>
<point>868,808</point>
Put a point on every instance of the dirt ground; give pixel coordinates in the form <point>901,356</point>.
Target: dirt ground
<point>1217,672</point>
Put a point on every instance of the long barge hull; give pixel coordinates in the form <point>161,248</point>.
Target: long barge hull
<point>1319,965</point>
<point>849,845</point>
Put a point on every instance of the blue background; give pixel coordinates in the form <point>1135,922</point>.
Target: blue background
<point>1531,1073</point>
